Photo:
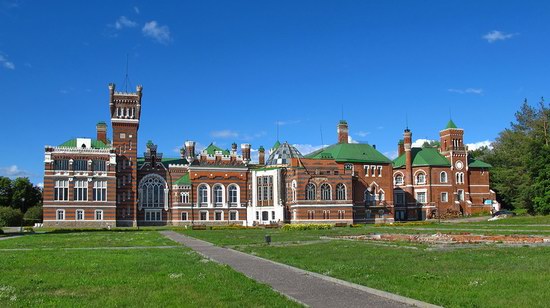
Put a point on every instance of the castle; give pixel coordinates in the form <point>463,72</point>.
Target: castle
<point>102,183</point>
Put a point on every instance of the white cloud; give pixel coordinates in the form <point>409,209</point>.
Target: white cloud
<point>226,133</point>
<point>351,140</point>
<point>476,145</point>
<point>307,148</point>
<point>6,63</point>
<point>124,22</point>
<point>158,33</point>
<point>419,142</point>
<point>391,154</point>
<point>136,9</point>
<point>495,35</point>
<point>14,171</point>
<point>41,185</point>
<point>477,91</point>
<point>362,133</point>
<point>289,122</point>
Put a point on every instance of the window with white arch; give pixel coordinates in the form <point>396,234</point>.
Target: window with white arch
<point>203,194</point>
<point>218,195</point>
<point>398,179</point>
<point>233,193</point>
<point>443,177</point>
<point>340,192</point>
<point>421,178</point>
<point>152,191</point>
<point>325,192</point>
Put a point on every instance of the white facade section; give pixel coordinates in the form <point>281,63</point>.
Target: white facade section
<point>262,215</point>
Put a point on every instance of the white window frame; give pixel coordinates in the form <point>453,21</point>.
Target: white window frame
<point>57,216</point>
<point>233,200</point>
<point>460,196</point>
<point>424,193</point>
<point>80,190</point>
<point>236,215</point>
<point>79,211</point>
<point>445,197</point>
<point>98,214</point>
<point>184,197</point>
<point>186,216</point>
<point>218,200</point>
<point>341,191</point>
<point>324,192</point>
<point>400,176</point>
<point>443,174</point>
<point>203,195</point>
<point>221,215</point>
<point>99,191</point>
<point>61,190</point>
<point>207,215</point>
<point>153,215</point>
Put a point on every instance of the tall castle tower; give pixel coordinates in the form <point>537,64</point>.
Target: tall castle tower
<point>452,146</point>
<point>125,115</point>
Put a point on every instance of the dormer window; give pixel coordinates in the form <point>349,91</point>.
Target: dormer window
<point>83,146</point>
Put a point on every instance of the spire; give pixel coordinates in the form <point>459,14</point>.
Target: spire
<point>450,124</point>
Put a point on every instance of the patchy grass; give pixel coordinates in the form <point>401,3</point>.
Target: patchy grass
<point>145,278</point>
<point>87,239</point>
<point>480,276</point>
<point>520,220</point>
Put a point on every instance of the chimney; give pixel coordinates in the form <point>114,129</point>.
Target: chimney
<point>407,143</point>
<point>234,148</point>
<point>400,148</point>
<point>245,149</point>
<point>190,150</point>
<point>182,152</point>
<point>342,130</point>
<point>261,155</point>
<point>101,129</point>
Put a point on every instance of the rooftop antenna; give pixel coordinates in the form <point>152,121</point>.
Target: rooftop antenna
<point>321,130</point>
<point>406,121</point>
<point>126,79</point>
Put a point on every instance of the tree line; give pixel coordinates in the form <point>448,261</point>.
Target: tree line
<point>520,156</point>
<point>20,201</point>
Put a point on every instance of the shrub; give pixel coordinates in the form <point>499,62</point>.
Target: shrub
<point>521,212</point>
<point>28,229</point>
<point>10,217</point>
<point>291,227</point>
<point>33,215</point>
<point>231,227</point>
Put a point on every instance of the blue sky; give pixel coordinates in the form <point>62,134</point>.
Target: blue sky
<point>227,71</point>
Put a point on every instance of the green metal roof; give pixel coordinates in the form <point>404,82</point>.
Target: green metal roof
<point>184,180</point>
<point>261,148</point>
<point>423,157</point>
<point>451,124</point>
<point>474,163</point>
<point>96,144</point>
<point>350,152</point>
<point>212,149</point>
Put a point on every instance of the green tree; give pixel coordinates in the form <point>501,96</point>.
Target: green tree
<point>33,215</point>
<point>25,194</point>
<point>10,217</point>
<point>6,191</point>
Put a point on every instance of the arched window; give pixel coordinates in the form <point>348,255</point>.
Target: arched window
<point>203,194</point>
<point>398,179</point>
<point>325,192</point>
<point>310,191</point>
<point>233,193</point>
<point>294,185</point>
<point>369,198</point>
<point>460,178</point>
<point>152,191</point>
<point>443,177</point>
<point>218,195</point>
<point>340,192</point>
<point>421,178</point>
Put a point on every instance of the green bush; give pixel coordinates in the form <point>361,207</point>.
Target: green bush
<point>10,217</point>
<point>231,227</point>
<point>292,227</point>
<point>521,212</point>
<point>28,229</point>
<point>33,215</point>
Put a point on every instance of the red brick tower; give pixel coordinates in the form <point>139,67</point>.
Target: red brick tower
<point>407,146</point>
<point>125,115</point>
<point>342,130</point>
<point>452,147</point>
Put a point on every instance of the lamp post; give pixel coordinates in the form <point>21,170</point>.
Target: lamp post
<point>22,206</point>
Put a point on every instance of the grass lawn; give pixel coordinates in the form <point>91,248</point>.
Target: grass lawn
<point>87,239</point>
<point>148,277</point>
<point>484,275</point>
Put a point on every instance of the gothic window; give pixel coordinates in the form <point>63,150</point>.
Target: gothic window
<point>310,191</point>
<point>152,190</point>
<point>325,192</point>
<point>218,195</point>
<point>184,198</point>
<point>398,179</point>
<point>443,177</point>
<point>233,195</point>
<point>421,178</point>
<point>203,194</point>
<point>460,178</point>
<point>340,192</point>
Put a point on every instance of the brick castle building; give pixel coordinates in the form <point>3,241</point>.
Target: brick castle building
<point>100,182</point>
